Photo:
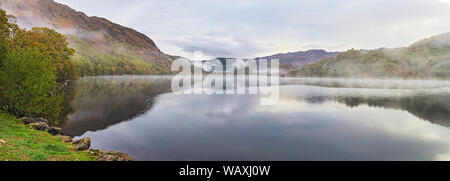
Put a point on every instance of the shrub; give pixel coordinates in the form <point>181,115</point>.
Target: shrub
<point>27,85</point>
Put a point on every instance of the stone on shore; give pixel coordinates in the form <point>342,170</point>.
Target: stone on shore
<point>40,126</point>
<point>28,121</point>
<point>55,131</point>
<point>110,155</point>
<point>82,144</point>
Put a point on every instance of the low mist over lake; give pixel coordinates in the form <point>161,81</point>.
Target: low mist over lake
<point>315,119</point>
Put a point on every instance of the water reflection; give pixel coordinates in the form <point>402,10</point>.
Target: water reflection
<point>428,104</point>
<point>139,116</point>
<point>100,102</point>
<point>433,108</point>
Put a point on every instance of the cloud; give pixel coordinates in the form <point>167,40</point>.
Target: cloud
<point>219,46</point>
<point>248,28</point>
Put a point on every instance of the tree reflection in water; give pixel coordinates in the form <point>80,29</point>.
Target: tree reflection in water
<point>97,103</point>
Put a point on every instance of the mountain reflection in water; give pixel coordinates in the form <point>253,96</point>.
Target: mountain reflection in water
<point>140,116</point>
<point>100,102</point>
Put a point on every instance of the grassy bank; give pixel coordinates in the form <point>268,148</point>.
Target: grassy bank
<point>24,144</point>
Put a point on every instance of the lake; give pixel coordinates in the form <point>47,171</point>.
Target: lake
<point>314,119</point>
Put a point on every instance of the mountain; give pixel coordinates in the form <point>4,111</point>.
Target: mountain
<point>101,46</point>
<point>434,44</point>
<point>301,58</point>
<point>427,58</point>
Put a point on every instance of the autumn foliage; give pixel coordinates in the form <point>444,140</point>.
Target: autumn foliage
<point>33,65</point>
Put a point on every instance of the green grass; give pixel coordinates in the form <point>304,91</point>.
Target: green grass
<point>25,144</point>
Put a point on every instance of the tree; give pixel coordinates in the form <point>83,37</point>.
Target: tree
<point>6,31</point>
<point>3,52</point>
<point>27,85</point>
<point>6,27</point>
<point>53,44</point>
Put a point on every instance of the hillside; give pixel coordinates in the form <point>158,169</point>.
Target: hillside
<point>101,47</point>
<point>301,58</point>
<point>427,58</point>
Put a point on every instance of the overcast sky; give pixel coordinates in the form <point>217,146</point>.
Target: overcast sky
<point>252,28</point>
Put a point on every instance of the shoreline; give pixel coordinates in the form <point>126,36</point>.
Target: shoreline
<point>32,139</point>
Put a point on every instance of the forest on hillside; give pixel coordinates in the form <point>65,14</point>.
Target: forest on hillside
<point>428,58</point>
<point>113,59</point>
<point>101,46</point>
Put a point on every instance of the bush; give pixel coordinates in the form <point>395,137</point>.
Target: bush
<point>27,85</point>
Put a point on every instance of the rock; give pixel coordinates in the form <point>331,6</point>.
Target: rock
<point>65,139</point>
<point>110,156</point>
<point>115,156</point>
<point>40,126</point>
<point>2,142</point>
<point>82,144</point>
<point>43,126</point>
<point>27,121</point>
<point>55,131</point>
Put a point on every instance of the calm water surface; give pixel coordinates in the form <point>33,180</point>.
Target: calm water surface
<point>315,119</point>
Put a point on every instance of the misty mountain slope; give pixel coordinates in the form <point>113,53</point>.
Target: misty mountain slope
<point>435,45</point>
<point>301,58</point>
<point>427,58</point>
<point>101,47</point>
